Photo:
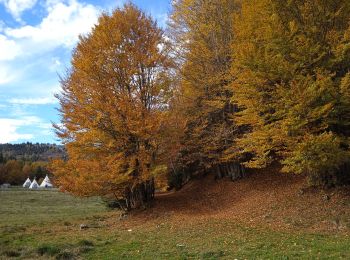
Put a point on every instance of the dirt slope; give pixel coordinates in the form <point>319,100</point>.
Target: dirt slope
<point>265,198</point>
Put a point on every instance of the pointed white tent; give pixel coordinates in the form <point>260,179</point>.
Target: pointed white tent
<point>27,183</point>
<point>34,185</point>
<point>46,183</point>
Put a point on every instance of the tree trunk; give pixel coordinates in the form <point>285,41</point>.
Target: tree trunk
<point>140,196</point>
<point>233,170</point>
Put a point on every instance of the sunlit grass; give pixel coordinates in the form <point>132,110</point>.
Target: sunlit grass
<point>45,224</point>
<point>23,207</point>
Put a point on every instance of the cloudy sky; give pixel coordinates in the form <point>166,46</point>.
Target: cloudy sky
<point>36,41</point>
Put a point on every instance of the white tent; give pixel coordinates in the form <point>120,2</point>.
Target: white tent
<point>46,183</point>
<point>34,185</point>
<point>27,183</point>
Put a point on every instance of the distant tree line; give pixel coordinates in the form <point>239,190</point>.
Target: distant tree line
<point>32,151</point>
<point>20,161</point>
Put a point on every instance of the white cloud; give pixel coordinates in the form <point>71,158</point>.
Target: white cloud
<point>5,77</point>
<point>2,25</point>
<point>7,74</point>
<point>9,129</point>
<point>25,49</point>
<point>51,3</point>
<point>33,101</point>
<point>61,27</point>
<point>46,129</point>
<point>9,48</point>
<point>16,7</point>
<point>55,65</point>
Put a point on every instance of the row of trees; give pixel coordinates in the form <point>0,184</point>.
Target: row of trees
<point>32,151</point>
<point>232,83</point>
<point>20,161</point>
<point>16,172</point>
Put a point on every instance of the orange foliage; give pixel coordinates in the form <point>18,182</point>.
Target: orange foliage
<point>113,104</point>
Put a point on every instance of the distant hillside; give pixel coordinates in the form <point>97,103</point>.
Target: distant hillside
<point>32,152</point>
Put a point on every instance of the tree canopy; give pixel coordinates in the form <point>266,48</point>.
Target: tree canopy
<point>112,105</point>
<point>231,84</point>
<point>206,58</point>
<point>291,63</point>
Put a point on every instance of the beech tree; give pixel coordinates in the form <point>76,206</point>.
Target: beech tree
<point>203,35</point>
<point>291,68</point>
<point>113,104</point>
<point>256,81</point>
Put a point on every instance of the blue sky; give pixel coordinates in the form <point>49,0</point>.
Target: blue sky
<point>36,40</point>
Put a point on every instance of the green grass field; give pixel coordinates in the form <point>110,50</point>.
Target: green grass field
<point>45,225</point>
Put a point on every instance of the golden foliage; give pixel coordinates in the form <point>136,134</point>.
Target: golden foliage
<point>291,61</point>
<point>255,81</point>
<point>203,33</point>
<point>113,105</point>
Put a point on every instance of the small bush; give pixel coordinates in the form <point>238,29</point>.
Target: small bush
<point>84,249</point>
<point>113,203</point>
<point>213,255</point>
<point>48,250</point>
<point>323,158</point>
<point>65,255</point>
<point>12,253</point>
<point>85,243</point>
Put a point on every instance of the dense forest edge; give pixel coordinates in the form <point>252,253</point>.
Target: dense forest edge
<point>228,86</point>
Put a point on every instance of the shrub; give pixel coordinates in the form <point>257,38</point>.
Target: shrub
<point>12,253</point>
<point>113,203</point>
<point>322,158</point>
<point>85,242</point>
<point>48,250</point>
<point>65,255</point>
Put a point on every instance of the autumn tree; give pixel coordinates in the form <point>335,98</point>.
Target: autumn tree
<point>113,103</point>
<point>292,84</point>
<point>203,35</point>
<point>13,172</point>
<point>27,169</point>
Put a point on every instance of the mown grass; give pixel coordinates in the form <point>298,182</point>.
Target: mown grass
<point>47,227</point>
<point>23,207</point>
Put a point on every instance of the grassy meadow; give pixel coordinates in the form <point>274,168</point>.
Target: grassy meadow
<point>46,225</point>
